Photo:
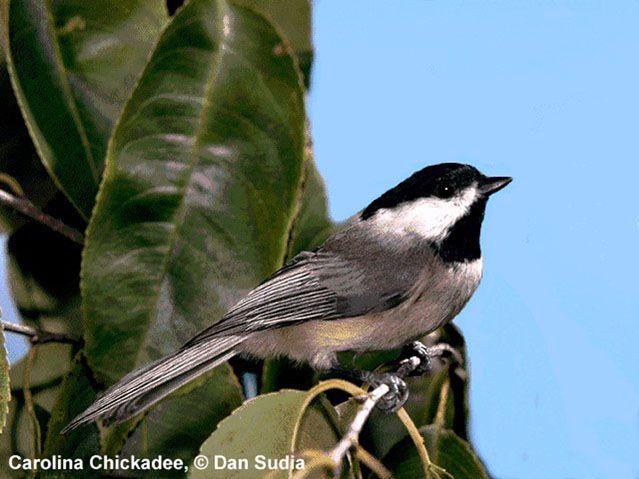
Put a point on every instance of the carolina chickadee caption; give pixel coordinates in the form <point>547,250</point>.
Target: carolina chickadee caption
<point>406,265</point>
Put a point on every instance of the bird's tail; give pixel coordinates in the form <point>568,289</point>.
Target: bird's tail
<point>144,387</point>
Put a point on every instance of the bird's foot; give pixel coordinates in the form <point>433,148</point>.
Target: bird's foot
<point>397,395</point>
<point>427,354</point>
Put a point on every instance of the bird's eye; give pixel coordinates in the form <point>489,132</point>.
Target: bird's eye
<point>444,190</point>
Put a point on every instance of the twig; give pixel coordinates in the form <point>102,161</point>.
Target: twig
<point>440,415</point>
<point>28,402</point>
<point>24,206</point>
<point>37,336</point>
<point>12,183</point>
<point>351,438</point>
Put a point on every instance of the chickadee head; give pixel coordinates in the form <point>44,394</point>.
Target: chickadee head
<point>435,204</point>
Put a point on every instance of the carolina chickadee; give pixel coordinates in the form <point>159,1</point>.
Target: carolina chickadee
<point>406,265</point>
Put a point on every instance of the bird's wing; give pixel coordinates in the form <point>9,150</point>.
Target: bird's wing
<point>322,285</point>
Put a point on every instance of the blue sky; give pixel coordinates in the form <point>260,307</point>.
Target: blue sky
<point>547,92</point>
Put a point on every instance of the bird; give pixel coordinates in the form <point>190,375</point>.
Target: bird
<point>403,267</point>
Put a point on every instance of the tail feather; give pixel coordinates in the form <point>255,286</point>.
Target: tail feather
<point>146,386</point>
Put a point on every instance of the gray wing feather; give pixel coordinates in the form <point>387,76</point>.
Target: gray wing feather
<point>349,276</point>
<point>293,294</point>
<point>146,386</point>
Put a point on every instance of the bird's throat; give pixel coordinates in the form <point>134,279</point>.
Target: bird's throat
<point>461,244</point>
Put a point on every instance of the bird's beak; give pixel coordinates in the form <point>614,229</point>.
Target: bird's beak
<point>493,184</point>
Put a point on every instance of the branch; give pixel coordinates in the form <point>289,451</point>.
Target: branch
<point>36,433</point>
<point>24,206</point>
<point>351,438</point>
<point>37,336</point>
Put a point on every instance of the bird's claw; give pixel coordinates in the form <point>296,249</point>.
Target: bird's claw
<point>426,354</point>
<point>397,395</point>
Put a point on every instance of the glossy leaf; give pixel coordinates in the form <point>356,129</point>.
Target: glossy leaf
<point>293,17</point>
<point>265,426</point>
<point>200,191</point>
<point>445,449</point>
<point>73,64</point>
<point>312,224</point>
<point>19,163</point>
<point>199,195</point>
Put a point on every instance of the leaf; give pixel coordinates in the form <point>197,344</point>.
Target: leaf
<point>293,17</point>
<point>51,363</point>
<point>199,194</point>
<point>73,64</point>
<point>19,163</point>
<point>445,449</point>
<point>312,224</point>
<point>17,437</point>
<point>179,425</point>
<point>76,393</point>
<point>5,390</point>
<point>200,190</point>
<point>265,426</point>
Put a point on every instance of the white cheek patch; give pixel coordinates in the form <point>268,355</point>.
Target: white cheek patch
<point>429,218</point>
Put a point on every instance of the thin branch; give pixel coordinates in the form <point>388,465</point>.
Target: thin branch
<point>37,336</point>
<point>440,415</point>
<point>28,402</point>
<point>24,206</point>
<point>351,438</point>
<point>12,183</point>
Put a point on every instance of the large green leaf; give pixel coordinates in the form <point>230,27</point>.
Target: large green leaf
<point>266,426</point>
<point>200,192</point>
<point>312,224</point>
<point>445,449</point>
<point>293,17</point>
<point>19,163</point>
<point>201,186</point>
<point>73,64</point>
